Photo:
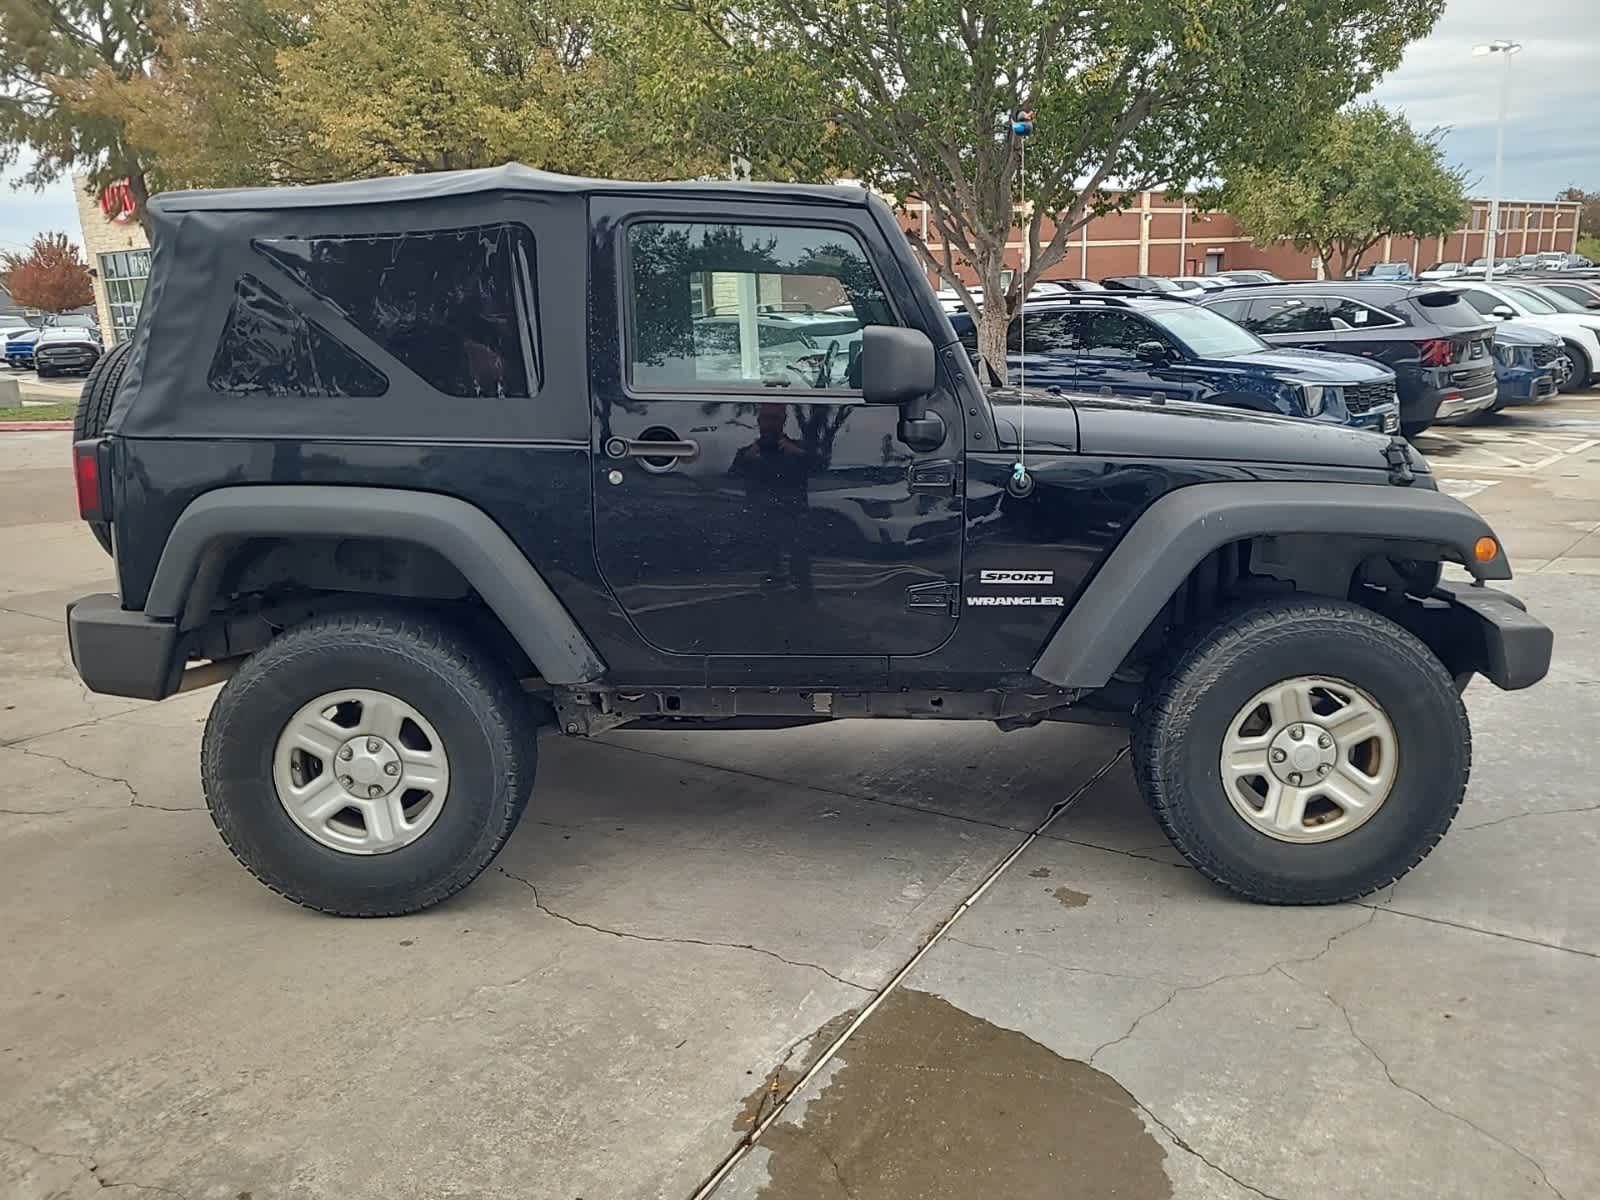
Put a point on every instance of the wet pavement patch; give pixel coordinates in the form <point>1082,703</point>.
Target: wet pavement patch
<point>926,1102</point>
<point>1039,873</point>
<point>1070,898</point>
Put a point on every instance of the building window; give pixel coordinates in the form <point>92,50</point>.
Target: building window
<point>1535,218</point>
<point>1477,219</point>
<point>124,274</point>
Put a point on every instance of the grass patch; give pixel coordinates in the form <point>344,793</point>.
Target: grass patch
<point>40,412</point>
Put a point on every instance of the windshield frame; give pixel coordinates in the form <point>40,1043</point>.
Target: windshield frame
<point>1251,343</point>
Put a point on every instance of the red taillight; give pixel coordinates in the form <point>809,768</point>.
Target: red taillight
<point>86,474</point>
<point>1437,352</point>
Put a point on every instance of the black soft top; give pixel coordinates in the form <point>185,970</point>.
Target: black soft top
<point>470,185</point>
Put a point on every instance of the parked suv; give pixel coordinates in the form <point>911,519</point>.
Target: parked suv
<point>421,466</point>
<point>1579,330</point>
<point>62,348</point>
<point>1530,364</point>
<point>1156,349</point>
<point>1438,347</point>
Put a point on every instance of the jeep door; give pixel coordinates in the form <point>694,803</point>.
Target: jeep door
<point>747,501</point>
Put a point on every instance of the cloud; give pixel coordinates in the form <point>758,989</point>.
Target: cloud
<point>1552,138</point>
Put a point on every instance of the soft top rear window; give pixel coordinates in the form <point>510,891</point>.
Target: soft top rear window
<point>1448,310</point>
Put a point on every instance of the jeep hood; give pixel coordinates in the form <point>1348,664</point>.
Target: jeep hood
<point>1064,423</point>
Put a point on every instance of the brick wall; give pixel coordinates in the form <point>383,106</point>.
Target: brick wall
<point>103,236</point>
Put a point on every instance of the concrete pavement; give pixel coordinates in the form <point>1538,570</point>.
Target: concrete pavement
<point>685,922</point>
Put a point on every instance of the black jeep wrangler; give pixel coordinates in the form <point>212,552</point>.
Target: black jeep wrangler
<point>422,466</point>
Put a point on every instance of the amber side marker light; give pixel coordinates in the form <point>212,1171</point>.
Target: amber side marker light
<point>1485,549</point>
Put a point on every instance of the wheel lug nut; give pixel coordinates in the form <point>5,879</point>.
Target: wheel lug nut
<point>1279,755</point>
<point>391,768</point>
<point>1324,769</point>
<point>373,789</point>
<point>1297,732</point>
<point>346,780</point>
<point>372,745</point>
<point>1294,778</point>
<point>346,753</point>
<point>1324,741</point>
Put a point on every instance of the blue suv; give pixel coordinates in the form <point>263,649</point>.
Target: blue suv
<point>1172,350</point>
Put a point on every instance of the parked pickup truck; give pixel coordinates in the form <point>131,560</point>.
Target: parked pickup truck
<point>424,466</point>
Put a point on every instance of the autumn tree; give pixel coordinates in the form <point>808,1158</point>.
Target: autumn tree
<point>916,100</point>
<point>51,276</point>
<point>1364,175</point>
<point>54,56</point>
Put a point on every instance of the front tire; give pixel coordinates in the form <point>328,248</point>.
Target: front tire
<point>1578,376</point>
<point>1222,730</point>
<point>369,763</point>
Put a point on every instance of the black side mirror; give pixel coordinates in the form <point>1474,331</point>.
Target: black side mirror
<point>1591,303</point>
<point>897,365</point>
<point>1503,311</point>
<point>1153,351</point>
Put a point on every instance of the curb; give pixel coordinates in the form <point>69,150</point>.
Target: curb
<point>32,426</point>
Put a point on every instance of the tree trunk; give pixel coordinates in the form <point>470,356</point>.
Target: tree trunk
<point>992,325</point>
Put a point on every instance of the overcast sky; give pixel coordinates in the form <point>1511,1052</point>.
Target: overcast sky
<point>1552,135</point>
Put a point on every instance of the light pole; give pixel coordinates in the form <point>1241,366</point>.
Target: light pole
<point>1505,49</point>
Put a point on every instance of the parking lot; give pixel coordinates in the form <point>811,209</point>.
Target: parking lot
<point>685,924</point>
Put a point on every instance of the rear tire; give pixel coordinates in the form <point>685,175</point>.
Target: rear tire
<point>94,410</point>
<point>1344,661</point>
<point>1578,376</point>
<point>473,712</point>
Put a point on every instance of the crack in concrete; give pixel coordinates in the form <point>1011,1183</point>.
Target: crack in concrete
<point>678,941</point>
<point>90,1167</point>
<point>1160,862</point>
<point>1350,1024</point>
<point>1538,812</point>
<point>1465,928</point>
<point>18,612</point>
<point>1235,975</point>
<point>1181,1144</point>
<point>133,794</point>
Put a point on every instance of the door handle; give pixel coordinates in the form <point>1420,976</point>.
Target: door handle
<point>619,447</point>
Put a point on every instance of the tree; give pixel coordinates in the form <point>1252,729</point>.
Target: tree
<point>396,86</point>
<point>916,100</point>
<point>1365,175</point>
<point>51,276</point>
<point>1589,212</point>
<point>54,54</point>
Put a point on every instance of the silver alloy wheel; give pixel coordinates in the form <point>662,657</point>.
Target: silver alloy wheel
<point>1309,759</point>
<point>360,771</point>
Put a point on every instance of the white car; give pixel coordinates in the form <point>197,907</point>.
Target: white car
<point>1444,270</point>
<point>1580,333</point>
<point>1196,285</point>
<point>1045,289</point>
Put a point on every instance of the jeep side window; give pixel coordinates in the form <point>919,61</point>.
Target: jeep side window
<point>741,307</point>
<point>269,347</point>
<point>456,306</point>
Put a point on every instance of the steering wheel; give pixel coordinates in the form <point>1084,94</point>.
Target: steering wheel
<point>825,371</point>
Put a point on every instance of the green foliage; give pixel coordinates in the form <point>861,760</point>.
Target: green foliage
<point>395,86</point>
<point>54,56</point>
<point>914,99</point>
<point>1364,175</point>
<point>1589,245</point>
<point>51,276</point>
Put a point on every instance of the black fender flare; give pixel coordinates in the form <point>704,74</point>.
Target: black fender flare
<point>1176,533</point>
<point>457,531</point>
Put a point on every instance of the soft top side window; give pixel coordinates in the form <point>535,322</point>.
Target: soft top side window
<point>740,307</point>
<point>456,306</point>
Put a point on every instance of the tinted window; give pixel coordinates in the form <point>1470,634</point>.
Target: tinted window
<point>747,306</point>
<point>1234,310</point>
<point>453,305</point>
<point>1290,314</point>
<point>1357,315</point>
<point>1456,310</point>
<point>269,347</point>
<point>1531,301</point>
<point>1112,334</point>
<point>1046,333</point>
<point>1557,300</point>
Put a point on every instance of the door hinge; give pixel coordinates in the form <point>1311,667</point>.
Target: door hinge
<point>939,477</point>
<point>928,596</point>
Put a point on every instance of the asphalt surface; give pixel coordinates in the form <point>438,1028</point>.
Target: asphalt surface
<point>684,924</point>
